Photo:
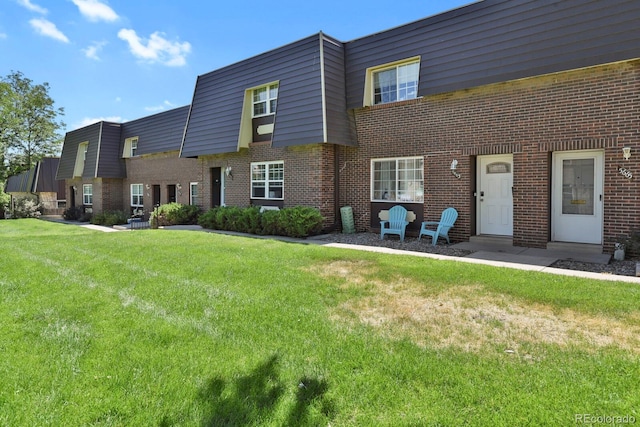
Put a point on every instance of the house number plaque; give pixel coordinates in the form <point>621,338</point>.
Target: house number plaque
<point>625,172</point>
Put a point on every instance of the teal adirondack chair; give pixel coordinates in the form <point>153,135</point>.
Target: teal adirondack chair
<point>447,219</point>
<point>396,224</point>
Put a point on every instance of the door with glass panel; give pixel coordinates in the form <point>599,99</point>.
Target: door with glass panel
<point>576,204</point>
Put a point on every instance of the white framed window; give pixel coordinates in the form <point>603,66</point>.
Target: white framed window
<point>397,180</point>
<point>130,147</point>
<point>193,193</point>
<point>137,192</point>
<point>87,194</point>
<point>265,100</point>
<point>396,81</point>
<point>267,180</point>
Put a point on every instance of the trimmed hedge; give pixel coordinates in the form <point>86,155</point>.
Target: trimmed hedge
<point>298,221</point>
<point>109,218</point>
<point>174,214</point>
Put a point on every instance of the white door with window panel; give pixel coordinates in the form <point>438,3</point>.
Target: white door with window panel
<point>495,195</point>
<point>576,205</point>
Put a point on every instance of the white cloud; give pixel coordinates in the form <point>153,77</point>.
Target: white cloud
<point>33,7</point>
<point>165,105</point>
<point>91,120</point>
<point>95,11</point>
<point>48,29</point>
<point>156,48</point>
<point>92,51</point>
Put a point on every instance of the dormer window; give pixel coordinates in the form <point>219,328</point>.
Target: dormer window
<point>392,82</point>
<point>134,147</point>
<point>264,100</point>
<point>81,157</point>
<point>130,147</point>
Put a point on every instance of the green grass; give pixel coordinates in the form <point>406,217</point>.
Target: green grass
<point>161,327</point>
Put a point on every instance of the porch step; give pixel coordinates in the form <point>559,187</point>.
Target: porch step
<point>575,247</point>
<point>487,239</point>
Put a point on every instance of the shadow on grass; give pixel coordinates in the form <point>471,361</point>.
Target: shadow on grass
<point>254,399</point>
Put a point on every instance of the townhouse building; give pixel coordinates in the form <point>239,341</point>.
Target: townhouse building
<point>131,166</point>
<point>521,114</point>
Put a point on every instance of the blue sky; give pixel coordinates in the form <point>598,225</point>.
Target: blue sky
<point>121,60</point>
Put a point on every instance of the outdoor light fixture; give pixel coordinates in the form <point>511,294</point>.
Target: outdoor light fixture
<point>454,166</point>
<point>626,153</point>
<point>228,171</point>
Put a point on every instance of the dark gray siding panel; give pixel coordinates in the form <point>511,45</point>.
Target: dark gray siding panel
<point>214,120</point>
<point>339,130</point>
<point>110,162</point>
<point>72,139</point>
<point>500,40</point>
<point>21,183</point>
<point>47,168</point>
<point>158,133</point>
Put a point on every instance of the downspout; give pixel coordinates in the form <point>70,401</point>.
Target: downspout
<point>325,136</point>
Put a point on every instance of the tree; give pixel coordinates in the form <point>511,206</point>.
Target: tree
<point>29,124</point>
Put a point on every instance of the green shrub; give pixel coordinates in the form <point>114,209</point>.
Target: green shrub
<point>299,221</point>
<point>27,208</point>
<point>174,214</point>
<point>109,218</point>
<point>72,213</point>
<point>271,223</point>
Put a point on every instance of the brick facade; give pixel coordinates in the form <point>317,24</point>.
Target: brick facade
<point>161,169</point>
<point>308,176</point>
<point>589,109</point>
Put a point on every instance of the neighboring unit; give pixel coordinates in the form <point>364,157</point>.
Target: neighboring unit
<point>40,185</point>
<point>131,166</point>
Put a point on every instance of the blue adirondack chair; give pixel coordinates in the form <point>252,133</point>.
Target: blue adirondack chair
<point>396,224</point>
<point>447,219</point>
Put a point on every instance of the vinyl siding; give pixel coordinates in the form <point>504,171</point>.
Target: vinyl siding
<point>110,162</point>
<point>159,133</point>
<point>46,176</point>
<point>21,183</point>
<point>214,121</point>
<point>500,40</point>
<point>339,127</point>
<point>72,139</point>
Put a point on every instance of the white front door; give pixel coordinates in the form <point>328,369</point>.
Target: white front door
<point>576,202</point>
<point>494,195</point>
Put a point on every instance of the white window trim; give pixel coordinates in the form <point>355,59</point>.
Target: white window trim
<point>86,193</point>
<point>191,186</point>
<point>266,181</point>
<point>268,100</point>
<point>396,199</point>
<point>368,99</point>
<point>81,157</point>
<point>141,195</point>
<point>128,147</point>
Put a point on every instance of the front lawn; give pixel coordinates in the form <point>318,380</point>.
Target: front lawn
<point>163,327</point>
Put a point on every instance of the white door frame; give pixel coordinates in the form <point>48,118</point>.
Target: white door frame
<point>501,221</point>
<point>576,226</point>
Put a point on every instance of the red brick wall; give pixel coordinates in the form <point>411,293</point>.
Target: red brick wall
<point>594,108</point>
<point>308,176</point>
<point>159,169</point>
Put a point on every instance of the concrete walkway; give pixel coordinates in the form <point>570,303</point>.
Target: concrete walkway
<point>485,253</point>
